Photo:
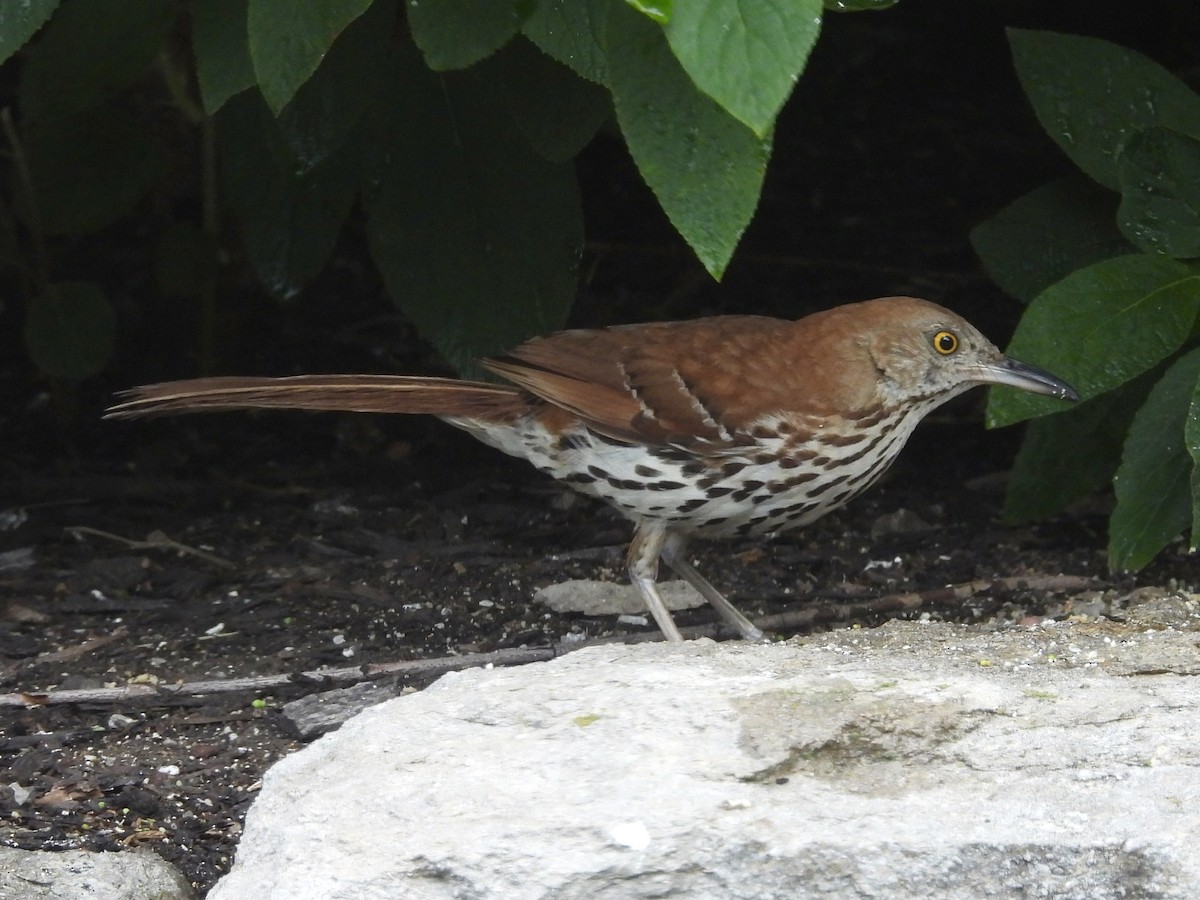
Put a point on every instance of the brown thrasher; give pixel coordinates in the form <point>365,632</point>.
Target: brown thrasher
<point>719,427</point>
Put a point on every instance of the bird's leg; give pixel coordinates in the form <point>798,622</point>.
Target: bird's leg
<point>642,564</point>
<point>674,554</point>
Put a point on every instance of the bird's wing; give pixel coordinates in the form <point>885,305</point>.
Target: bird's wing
<point>665,384</point>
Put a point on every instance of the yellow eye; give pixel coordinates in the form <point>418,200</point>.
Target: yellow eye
<point>945,342</point>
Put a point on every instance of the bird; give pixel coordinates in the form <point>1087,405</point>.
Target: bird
<point>711,428</point>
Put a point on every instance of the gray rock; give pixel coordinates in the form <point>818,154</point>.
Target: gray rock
<point>910,761</point>
<point>610,598</point>
<point>316,714</point>
<point>80,875</point>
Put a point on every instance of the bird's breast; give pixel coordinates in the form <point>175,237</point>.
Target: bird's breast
<point>778,476</point>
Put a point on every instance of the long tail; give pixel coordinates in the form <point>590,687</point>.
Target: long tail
<point>349,393</point>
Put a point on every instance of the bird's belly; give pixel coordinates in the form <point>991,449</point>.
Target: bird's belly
<point>731,495</point>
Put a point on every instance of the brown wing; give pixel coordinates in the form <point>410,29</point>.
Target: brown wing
<point>670,383</point>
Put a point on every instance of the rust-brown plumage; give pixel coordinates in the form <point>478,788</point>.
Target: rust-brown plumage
<point>716,427</point>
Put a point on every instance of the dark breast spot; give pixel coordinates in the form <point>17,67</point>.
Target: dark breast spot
<point>844,440</point>
<point>666,485</point>
<point>626,484</point>
<point>834,482</point>
<point>797,480</point>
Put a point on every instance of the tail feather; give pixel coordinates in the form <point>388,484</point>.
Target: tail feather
<point>347,393</point>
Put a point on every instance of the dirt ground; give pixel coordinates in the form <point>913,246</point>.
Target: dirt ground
<point>301,545</point>
<point>237,546</point>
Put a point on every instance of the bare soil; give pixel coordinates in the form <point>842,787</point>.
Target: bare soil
<point>301,546</point>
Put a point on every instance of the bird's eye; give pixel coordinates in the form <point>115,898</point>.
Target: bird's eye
<point>945,342</point>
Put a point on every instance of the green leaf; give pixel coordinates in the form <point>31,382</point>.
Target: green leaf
<point>90,50</point>
<point>1160,192</point>
<point>745,54</point>
<point>20,21</point>
<point>328,108</point>
<point>556,110</point>
<point>659,11</point>
<point>1092,96</point>
<point>70,330</point>
<point>290,215</point>
<point>1152,484</point>
<point>1101,326</point>
<point>90,169</point>
<point>1066,457</point>
<point>222,48</point>
<point>288,40</point>
<point>477,262</point>
<point>1047,234</point>
<point>454,34</point>
<point>572,31</point>
<point>705,167</point>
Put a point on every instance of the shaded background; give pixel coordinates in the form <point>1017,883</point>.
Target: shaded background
<point>907,128</point>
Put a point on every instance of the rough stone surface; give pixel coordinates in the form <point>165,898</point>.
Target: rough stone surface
<point>914,760</point>
<point>79,875</point>
<point>318,714</point>
<point>611,598</point>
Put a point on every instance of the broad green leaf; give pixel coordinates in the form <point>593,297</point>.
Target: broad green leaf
<point>1101,326</point>
<point>91,168</point>
<point>290,216</point>
<point>478,262</point>
<point>328,108</point>
<point>454,34</point>
<point>659,11</point>
<point>1160,192</point>
<point>20,21</point>
<point>1092,96</point>
<point>288,40</point>
<point>1047,234</point>
<point>90,50</point>
<point>222,48</point>
<point>556,110</point>
<point>572,31</point>
<point>70,330</point>
<point>705,167</point>
<point>745,54</point>
<point>1054,467</point>
<point>1154,501</point>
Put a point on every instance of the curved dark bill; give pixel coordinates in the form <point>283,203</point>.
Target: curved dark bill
<point>1027,378</point>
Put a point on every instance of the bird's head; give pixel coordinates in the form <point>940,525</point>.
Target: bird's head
<point>923,351</point>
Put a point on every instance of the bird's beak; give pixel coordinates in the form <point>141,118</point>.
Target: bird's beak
<point>1024,376</point>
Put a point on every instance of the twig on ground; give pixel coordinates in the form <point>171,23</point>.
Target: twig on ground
<point>156,541</point>
<point>322,678</point>
<point>68,654</point>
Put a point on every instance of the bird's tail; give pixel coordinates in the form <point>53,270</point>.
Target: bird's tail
<point>349,393</point>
